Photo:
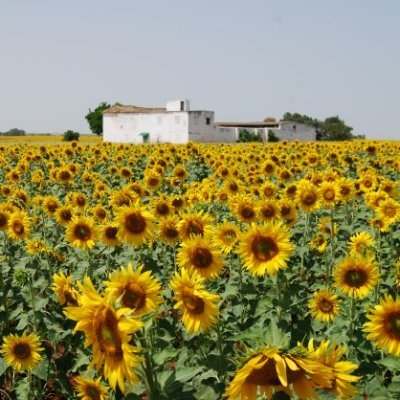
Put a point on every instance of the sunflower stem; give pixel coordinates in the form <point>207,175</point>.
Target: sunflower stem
<point>221,352</point>
<point>352,318</point>
<point>304,243</point>
<point>332,248</point>
<point>3,285</point>
<point>33,301</point>
<point>148,369</point>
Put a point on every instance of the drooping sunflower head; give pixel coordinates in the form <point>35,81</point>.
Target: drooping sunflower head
<point>383,326</point>
<point>138,290</point>
<point>324,305</point>
<point>22,353</point>
<point>134,224</point>
<point>319,242</point>
<point>270,371</point>
<point>361,243</point>
<point>64,289</point>
<point>168,229</point>
<point>82,232</point>
<point>35,246</point>
<point>4,216</point>
<point>325,226</point>
<point>356,276</point>
<point>90,389</point>
<point>201,255</point>
<point>226,236</point>
<point>197,306</point>
<point>330,355</point>
<point>265,248</point>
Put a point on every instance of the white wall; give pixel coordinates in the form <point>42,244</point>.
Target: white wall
<point>170,127</point>
<point>201,126</point>
<point>295,131</point>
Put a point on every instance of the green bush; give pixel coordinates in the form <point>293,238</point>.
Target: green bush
<point>272,137</point>
<point>246,136</point>
<point>70,135</point>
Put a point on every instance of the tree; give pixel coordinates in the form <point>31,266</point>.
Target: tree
<point>95,118</point>
<point>70,135</point>
<point>332,128</point>
<point>13,132</point>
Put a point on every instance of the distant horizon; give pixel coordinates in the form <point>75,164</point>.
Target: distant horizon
<point>244,61</point>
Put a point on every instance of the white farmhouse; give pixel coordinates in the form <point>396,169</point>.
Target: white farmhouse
<point>175,123</point>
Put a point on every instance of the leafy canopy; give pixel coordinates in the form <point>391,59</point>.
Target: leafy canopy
<point>95,118</point>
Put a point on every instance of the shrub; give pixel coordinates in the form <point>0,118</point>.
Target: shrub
<point>272,137</point>
<point>246,136</point>
<point>70,135</point>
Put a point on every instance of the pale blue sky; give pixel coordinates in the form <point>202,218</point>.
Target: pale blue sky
<point>243,59</point>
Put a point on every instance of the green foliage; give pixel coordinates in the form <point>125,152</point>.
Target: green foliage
<point>95,118</point>
<point>70,135</point>
<point>332,128</point>
<point>13,132</point>
<point>245,136</point>
<point>272,137</point>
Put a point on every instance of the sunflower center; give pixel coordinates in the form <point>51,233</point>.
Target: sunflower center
<point>170,232</point>
<point>153,181</point>
<point>325,306</point>
<point>344,190</point>
<point>309,199</point>
<point>285,211</point>
<point>266,375</point>
<point>195,228</point>
<point>80,201</point>
<point>82,232</point>
<point>356,277</point>
<point>389,211</point>
<point>394,324</point>
<point>247,212</point>
<point>162,209</point>
<point>101,213</point>
<point>329,194</point>
<point>52,206</point>
<point>18,228</point>
<point>111,232</point>
<point>264,248</point>
<point>135,223</point>
<point>268,192</point>
<point>134,296</point>
<point>201,257</point>
<point>194,304</point>
<point>66,215</point>
<point>230,235</point>
<point>22,351</point>
<point>108,336</point>
<point>92,392</point>
<point>65,175</point>
<point>268,211</point>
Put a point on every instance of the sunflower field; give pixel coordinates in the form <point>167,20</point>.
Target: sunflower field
<point>245,271</point>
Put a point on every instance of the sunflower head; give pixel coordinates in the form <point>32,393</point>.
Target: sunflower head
<point>324,305</point>
<point>22,353</point>
<point>90,389</point>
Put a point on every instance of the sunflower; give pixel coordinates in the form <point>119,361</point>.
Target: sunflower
<point>346,189</point>
<point>108,234</point>
<point>161,207</point>
<point>195,223</point>
<point>270,371</point>
<point>244,208</point>
<point>35,247</point>
<point>65,291</point>
<point>330,355</point>
<point>168,229</point>
<point>22,352</point>
<point>109,333</point>
<point>324,305</point>
<point>325,226</point>
<point>64,175</point>
<point>64,215</point>
<point>137,290</point>
<point>19,225</point>
<point>383,326</point>
<point>268,190</point>
<point>99,213</point>
<point>81,232</point>
<point>265,248</point>
<point>307,196</point>
<point>152,180</point>
<point>90,389</point>
<point>268,210</point>
<point>198,307</point>
<point>226,236</point>
<point>356,276</point>
<point>329,193</point>
<point>122,197</point>
<point>51,204</point>
<point>200,254</point>
<point>134,224</point>
<point>389,211</point>
<point>360,243</point>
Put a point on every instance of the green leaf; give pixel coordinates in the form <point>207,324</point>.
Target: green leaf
<point>22,388</point>
<point>185,374</point>
<point>41,370</point>
<point>3,366</point>
<point>81,359</point>
<point>211,373</point>
<point>164,355</point>
<point>390,363</point>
